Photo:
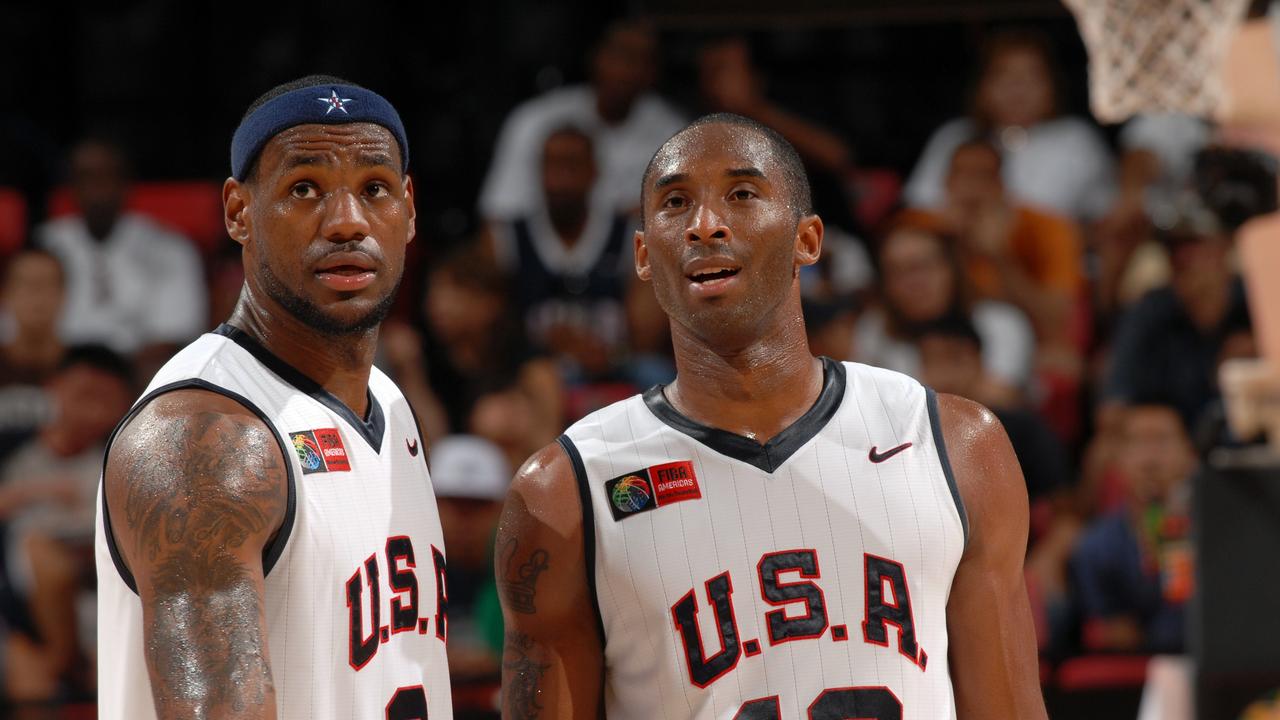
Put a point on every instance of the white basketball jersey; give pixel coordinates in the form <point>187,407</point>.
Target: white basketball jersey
<point>355,597</point>
<point>806,578</point>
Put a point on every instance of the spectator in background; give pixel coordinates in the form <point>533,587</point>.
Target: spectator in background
<point>1132,567</point>
<point>131,284</point>
<point>1157,162</point>
<point>832,328</point>
<point>921,281</point>
<point>569,263</point>
<point>31,296</point>
<point>1170,340</point>
<point>626,121</point>
<point>1053,161</point>
<point>475,348</point>
<point>1012,253</point>
<point>951,362</point>
<point>470,476</point>
<point>48,492</point>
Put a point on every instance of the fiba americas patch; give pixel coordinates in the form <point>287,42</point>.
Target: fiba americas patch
<point>320,450</point>
<point>652,487</point>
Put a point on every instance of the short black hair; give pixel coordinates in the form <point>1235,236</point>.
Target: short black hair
<point>954,326</point>
<point>783,151</point>
<point>275,92</point>
<point>98,357</point>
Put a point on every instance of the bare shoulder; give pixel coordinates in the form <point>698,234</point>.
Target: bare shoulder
<point>193,454</point>
<point>986,470</point>
<point>541,534</point>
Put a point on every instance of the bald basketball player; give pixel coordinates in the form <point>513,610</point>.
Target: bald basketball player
<point>773,535</point>
<point>268,542</point>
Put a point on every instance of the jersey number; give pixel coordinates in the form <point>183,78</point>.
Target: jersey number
<point>409,703</point>
<point>855,703</point>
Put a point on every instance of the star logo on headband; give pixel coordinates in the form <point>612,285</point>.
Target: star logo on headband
<point>334,102</point>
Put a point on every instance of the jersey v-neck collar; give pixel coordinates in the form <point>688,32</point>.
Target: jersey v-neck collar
<point>771,455</point>
<point>371,429</point>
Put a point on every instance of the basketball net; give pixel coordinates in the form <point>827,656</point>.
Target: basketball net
<point>1155,55</point>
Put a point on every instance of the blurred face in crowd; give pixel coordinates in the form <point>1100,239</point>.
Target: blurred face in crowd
<point>919,282</point>
<point>1017,87</point>
<point>973,179</point>
<point>100,182</point>
<point>949,363</point>
<point>568,174</point>
<point>468,525</point>
<point>623,68</point>
<point>1157,454</point>
<point>458,310</point>
<point>725,74</point>
<point>723,237</point>
<point>324,223</point>
<point>89,401</point>
<point>1199,262</point>
<point>33,293</point>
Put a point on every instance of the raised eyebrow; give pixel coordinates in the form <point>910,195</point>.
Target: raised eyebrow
<point>671,179</point>
<point>375,159</point>
<point>301,160</point>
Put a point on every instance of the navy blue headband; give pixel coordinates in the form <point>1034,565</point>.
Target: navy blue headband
<point>325,104</point>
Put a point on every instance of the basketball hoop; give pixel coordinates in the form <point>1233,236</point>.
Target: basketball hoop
<point>1155,55</point>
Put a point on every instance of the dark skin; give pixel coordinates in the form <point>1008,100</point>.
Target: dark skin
<point>744,365</point>
<point>196,483</point>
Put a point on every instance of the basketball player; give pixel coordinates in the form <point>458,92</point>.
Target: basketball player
<point>268,543</point>
<point>773,535</point>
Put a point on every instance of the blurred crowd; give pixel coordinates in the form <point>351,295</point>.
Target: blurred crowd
<point>1078,280</point>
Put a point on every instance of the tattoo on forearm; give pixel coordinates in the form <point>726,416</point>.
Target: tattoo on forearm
<point>521,678</point>
<point>205,647</point>
<point>520,579</point>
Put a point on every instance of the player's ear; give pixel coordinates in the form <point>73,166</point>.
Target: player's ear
<point>643,271</point>
<point>808,240</point>
<point>235,204</point>
<point>413,210</point>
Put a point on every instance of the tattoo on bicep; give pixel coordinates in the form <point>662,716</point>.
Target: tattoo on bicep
<point>521,678</point>
<point>520,579</point>
<point>188,513</point>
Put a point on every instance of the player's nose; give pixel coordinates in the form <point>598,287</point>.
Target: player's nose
<point>705,223</point>
<point>345,218</point>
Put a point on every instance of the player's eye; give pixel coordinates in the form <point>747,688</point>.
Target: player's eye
<point>675,201</point>
<point>377,190</point>
<point>304,191</point>
<point>741,194</point>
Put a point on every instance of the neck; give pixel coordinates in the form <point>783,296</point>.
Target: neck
<point>341,365</point>
<point>569,223</point>
<point>757,389</point>
<point>34,347</point>
<point>613,113</point>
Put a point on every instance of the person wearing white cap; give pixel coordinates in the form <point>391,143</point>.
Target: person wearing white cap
<point>470,475</point>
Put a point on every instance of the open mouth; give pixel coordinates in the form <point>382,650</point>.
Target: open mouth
<point>711,274</point>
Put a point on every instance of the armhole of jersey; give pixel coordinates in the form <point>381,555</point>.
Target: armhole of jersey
<point>588,527</point>
<point>272,552</point>
<point>938,442</point>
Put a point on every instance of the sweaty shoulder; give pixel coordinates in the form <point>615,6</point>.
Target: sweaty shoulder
<point>545,491</point>
<point>190,454</point>
<point>986,469</point>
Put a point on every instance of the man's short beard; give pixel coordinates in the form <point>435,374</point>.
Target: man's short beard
<point>313,317</point>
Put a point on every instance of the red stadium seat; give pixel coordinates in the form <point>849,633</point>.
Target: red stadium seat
<point>192,207</point>
<point>13,221</point>
<point>1098,672</point>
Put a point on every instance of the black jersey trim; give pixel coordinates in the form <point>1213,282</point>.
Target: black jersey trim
<point>771,455</point>
<point>371,429</point>
<point>938,442</point>
<point>272,552</point>
<point>588,527</point>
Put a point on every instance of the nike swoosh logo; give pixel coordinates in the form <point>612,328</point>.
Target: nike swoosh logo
<point>879,457</point>
<point>413,446</point>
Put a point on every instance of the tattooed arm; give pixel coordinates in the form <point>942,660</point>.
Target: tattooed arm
<point>553,664</point>
<point>197,487</point>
